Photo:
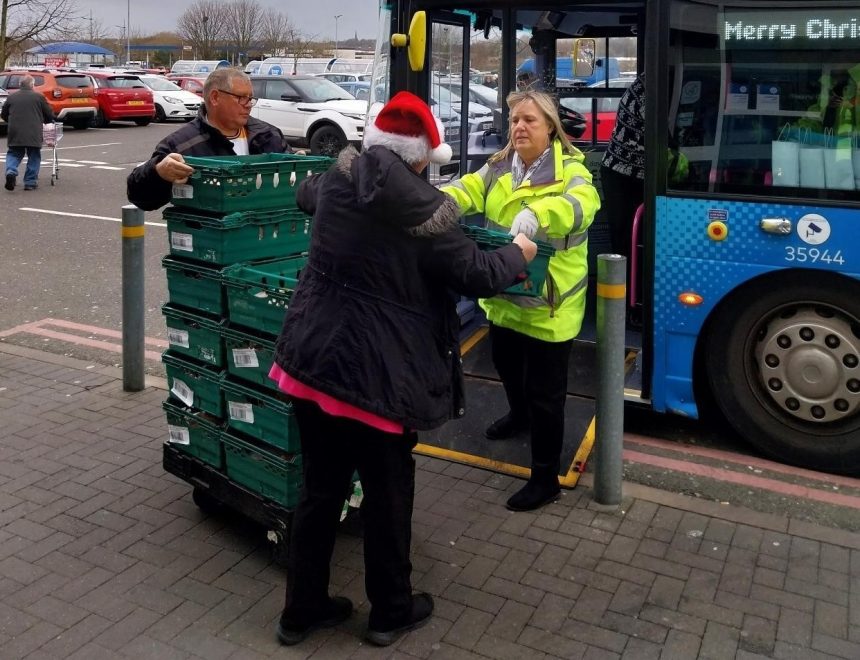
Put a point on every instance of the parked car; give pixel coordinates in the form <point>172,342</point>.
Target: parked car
<point>193,84</point>
<point>480,94</point>
<point>607,108</point>
<point>310,111</point>
<point>122,97</point>
<point>171,101</point>
<point>3,96</point>
<point>360,89</point>
<point>71,95</point>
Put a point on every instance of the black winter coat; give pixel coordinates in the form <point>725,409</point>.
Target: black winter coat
<point>373,321</point>
<point>148,191</point>
<point>25,111</point>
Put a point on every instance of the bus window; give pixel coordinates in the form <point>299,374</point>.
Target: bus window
<point>745,78</point>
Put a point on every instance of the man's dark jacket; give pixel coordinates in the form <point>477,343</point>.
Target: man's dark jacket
<point>25,111</point>
<point>148,191</point>
<point>373,321</point>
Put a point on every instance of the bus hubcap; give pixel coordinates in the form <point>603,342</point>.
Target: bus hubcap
<point>808,363</point>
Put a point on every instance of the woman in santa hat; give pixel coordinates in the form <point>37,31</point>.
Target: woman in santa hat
<point>369,352</point>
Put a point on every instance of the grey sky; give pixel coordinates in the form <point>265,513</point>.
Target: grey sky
<point>312,17</point>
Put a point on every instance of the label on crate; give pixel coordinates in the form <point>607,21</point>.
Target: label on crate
<point>183,191</point>
<point>183,392</point>
<point>183,242</point>
<point>177,337</point>
<point>245,357</point>
<point>179,435</point>
<point>241,412</point>
<point>208,354</point>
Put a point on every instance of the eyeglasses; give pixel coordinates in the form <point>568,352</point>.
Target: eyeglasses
<point>241,99</point>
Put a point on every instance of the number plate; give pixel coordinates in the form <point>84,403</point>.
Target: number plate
<point>80,100</point>
<point>135,102</point>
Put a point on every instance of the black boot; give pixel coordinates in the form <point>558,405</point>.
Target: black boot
<point>541,488</point>
<point>506,427</point>
<point>293,629</point>
<point>388,632</point>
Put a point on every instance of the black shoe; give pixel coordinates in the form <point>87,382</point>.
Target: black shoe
<point>33,187</point>
<point>422,608</point>
<point>293,632</point>
<point>506,427</point>
<point>537,492</point>
<point>10,181</point>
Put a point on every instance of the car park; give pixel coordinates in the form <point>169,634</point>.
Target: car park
<point>339,78</point>
<point>311,111</point>
<point>360,89</point>
<point>607,108</point>
<point>480,94</point>
<point>171,101</point>
<point>193,84</point>
<point>122,97</point>
<point>70,94</point>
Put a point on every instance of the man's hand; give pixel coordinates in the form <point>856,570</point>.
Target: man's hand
<point>525,222</point>
<point>528,246</point>
<point>174,169</point>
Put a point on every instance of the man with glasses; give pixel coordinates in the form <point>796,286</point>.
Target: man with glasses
<point>224,127</point>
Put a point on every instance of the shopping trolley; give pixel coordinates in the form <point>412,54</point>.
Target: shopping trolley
<point>51,136</point>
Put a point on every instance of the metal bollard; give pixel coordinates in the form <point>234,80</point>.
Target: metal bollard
<point>611,319</point>
<point>133,376</point>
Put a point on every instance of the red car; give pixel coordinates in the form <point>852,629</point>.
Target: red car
<point>122,97</point>
<point>606,110</point>
<point>192,84</point>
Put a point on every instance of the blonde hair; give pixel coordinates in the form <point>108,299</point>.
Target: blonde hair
<point>548,105</point>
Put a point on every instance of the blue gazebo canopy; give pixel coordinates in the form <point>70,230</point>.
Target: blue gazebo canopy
<point>69,47</point>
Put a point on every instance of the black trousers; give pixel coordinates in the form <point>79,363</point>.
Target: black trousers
<point>622,195</point>
<point>332,448</point>
<point>534,374</point>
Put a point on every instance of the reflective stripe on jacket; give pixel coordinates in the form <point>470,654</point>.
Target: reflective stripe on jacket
<point>562,197</point>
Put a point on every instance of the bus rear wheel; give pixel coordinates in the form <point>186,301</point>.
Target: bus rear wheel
<point>783,364</point>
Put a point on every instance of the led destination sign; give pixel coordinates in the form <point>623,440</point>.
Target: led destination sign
<point>741,27</point>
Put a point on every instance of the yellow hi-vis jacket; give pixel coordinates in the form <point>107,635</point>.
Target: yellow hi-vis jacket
<point>562,197</point>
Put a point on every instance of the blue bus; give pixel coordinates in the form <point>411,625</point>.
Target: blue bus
<point>747,273</point>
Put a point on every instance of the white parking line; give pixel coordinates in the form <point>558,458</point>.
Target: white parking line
<point>93,162</point>
<point>84,215</point>
<point>89,146</point>
<point>106,167</point>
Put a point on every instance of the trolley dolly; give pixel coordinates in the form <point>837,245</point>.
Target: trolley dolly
<point>51,136</point>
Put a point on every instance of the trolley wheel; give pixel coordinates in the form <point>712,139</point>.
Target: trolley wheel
<point>205,502</point>
<point>783,362</point>
<point>279,540</point>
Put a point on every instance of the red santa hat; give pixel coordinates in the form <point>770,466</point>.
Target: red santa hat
<point>408,127</point>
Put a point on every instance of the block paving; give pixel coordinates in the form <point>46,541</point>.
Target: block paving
<point>104,555</point>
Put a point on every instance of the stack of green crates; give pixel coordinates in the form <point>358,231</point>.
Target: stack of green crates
<point>236,242</point>
<point>531,281</point>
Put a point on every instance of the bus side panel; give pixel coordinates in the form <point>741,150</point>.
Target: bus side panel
<point>711,247</point>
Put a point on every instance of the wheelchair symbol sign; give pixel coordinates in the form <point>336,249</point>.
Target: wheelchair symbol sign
<point>813,229</point>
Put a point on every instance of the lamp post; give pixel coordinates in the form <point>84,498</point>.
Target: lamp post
<point>337,16</point>
<point>128,32</point>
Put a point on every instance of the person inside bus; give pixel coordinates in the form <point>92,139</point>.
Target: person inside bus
<point>223,127</point>
<point>837,112</point>
<point>537,185</point>
<point>369,354</point>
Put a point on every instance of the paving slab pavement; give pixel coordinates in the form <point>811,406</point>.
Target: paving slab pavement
<point>104,555</point>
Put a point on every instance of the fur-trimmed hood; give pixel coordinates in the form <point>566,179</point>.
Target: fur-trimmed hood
<point>389,188</point>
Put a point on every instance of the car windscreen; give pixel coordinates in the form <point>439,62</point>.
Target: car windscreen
<point>125,82</point>
<point>317,90</point>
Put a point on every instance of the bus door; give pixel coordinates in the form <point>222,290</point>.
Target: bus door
<point>755,251</point>
<point>475,57</point>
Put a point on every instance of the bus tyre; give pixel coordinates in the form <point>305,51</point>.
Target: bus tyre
<point>783,363</point>
<point>327,141</point>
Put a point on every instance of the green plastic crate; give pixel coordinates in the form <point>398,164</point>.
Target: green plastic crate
<point>195,385</point>
<point>194,433</point>
<point>194,336</point>
<point>532,279</point>
<point>262,415</point>
<point>269,473</point>
<point>249,357</point>
<point>240,236</point>
<point>225,184</point>
<point>258,295</point>
<point>195,286</point>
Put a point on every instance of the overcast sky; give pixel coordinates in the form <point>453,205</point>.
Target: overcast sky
<point>312,17</point>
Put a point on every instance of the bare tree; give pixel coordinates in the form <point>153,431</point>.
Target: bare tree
<point>31,20</point>
<point>275,31</point>
<point>243,25</point>
<point>202,25</point>
<point>298,46</point>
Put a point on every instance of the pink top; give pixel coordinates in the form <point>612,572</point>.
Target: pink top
<point>329,404</point>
